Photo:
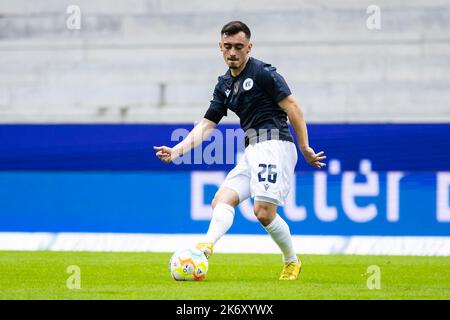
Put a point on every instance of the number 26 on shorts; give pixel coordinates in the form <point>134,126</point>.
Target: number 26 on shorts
<point>271,173</point>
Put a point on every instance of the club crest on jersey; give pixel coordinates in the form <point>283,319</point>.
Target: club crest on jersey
<point>248,84</point>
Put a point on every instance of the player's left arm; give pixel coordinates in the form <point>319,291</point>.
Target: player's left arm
<point>295,116</point>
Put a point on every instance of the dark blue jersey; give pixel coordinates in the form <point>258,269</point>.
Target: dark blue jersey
<point>253,95</point>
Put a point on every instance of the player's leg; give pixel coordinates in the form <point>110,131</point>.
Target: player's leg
<point>234,189</point>
<point>279,231</point>
<point>272,164</point>
<point>223,205</point>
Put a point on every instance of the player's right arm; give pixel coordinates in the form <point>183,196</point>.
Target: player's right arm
<point>200,132</point>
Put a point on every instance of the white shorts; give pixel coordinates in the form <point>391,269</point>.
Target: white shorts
<point>264,172</point>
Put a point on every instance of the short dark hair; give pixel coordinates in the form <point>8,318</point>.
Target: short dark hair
<point>235,27</point>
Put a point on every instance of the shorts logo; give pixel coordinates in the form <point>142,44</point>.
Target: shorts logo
<point>248,84</point>
<point>266,186</point>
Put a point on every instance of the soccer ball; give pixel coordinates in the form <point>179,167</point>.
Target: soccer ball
<point>188,265</point>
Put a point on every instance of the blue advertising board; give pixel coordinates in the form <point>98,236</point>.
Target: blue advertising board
<point>380,180</point>
<point>410,147</point>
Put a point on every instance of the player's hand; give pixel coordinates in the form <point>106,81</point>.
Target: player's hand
<point>313,158</point>
<point>165,154</point>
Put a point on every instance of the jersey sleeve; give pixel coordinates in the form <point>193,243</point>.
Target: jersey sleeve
<point>273,83</point>
<point>217,108</point>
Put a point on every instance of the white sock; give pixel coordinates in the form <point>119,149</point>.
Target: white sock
<point>221,221</point>
<point>280,233</point>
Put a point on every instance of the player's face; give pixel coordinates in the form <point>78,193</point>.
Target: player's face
<point>235,49</point>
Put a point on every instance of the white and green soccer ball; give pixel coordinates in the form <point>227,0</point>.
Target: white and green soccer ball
<point>188,265</point>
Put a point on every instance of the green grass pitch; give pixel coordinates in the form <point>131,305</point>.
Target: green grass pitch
<point>110,275</point>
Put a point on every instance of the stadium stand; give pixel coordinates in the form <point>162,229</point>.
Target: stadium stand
<point>157,61</point>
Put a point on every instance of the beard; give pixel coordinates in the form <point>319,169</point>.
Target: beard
<point>233,64</point>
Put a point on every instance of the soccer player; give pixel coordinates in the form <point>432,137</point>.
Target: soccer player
<point>263,102</point>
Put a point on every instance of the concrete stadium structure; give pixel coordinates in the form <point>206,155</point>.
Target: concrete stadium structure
<point>155,61</point>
